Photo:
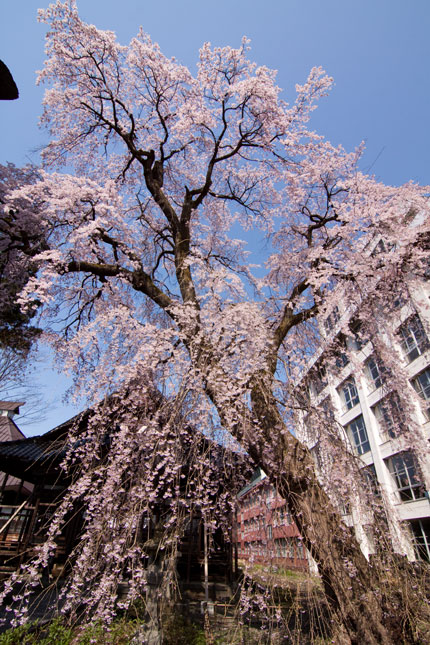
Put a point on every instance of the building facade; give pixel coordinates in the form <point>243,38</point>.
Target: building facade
<point>34,483</point>
<point>387,433</point>
<point>265,531</point>
<point>12,489</point>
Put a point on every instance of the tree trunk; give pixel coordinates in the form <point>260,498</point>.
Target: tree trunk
<point>370,605</point>
<point>366,611</point>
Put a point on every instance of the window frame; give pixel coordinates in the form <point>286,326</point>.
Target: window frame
<point>383,413</point>
<point>358,436</point>
<point>413,338</point>
<point>423,391</point>
<point>374,372</point>
<point>348,393</point>
<point>407,480</point>
<point>421,538</point>
<point>371,480</point>
<point>331,320</point>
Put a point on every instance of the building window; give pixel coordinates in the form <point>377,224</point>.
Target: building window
<point>399,301</point>
<point>317,379</point>
<point>283,548</point>
<point>269,532</point>
<point>331,320</point>
<point>300,550</point>
<point>371,479</point>
<point>291,547</point>
<point>413,338</point>
<point>404,471</point>
<point>421,384</point>
<point>421,538</point>
<point>380,248</point>
<point>348,394</point>
<point>387,414</point>
<point>328,411</point>
<point>358,434</point>
<point>341,360</point>
<point>340,350</point>
<point>356,340</point>
<point>374,372</point>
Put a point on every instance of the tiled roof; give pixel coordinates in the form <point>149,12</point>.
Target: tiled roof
<point>12,406</point>
<point>9,431</point>
<point>31,458</point>
<point>38,458</point>
<point>26,450</point>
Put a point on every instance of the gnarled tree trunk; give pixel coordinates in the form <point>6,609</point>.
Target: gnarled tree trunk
<point>366,609</point>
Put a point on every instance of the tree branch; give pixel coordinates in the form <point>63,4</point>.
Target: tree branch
<point>139,280</point>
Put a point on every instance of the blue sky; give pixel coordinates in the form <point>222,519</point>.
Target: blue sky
<point>378,52</point>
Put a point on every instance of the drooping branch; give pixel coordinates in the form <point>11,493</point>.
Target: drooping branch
<point>223,138</point>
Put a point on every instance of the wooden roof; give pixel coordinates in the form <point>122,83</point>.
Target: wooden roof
<point>38,459</point>
<point>31,459</point>
<point>11,406</point>
<point>9,431</point>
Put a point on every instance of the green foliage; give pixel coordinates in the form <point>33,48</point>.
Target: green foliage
<point>120,633</point>
<point>57,633</point>
<point>17,636</point>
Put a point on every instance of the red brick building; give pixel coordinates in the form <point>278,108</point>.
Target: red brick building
<point>265,532</point>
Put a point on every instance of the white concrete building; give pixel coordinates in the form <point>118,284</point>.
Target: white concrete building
<point>355,388</point>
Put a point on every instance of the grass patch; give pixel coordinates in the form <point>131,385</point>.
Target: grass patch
<point>275,575</point>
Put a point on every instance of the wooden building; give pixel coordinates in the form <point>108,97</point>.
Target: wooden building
<point>30,490</point>
<point>206,561</point>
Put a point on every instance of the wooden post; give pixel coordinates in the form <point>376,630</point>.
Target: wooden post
<point>206,561</point>
<point>3,485</point>
<point>191,544</point>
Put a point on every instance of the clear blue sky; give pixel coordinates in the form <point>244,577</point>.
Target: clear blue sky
<point>378,52</point>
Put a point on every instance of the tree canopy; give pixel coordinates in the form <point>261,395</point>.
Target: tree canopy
<point>146,271</point>
<point>21,239</point>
